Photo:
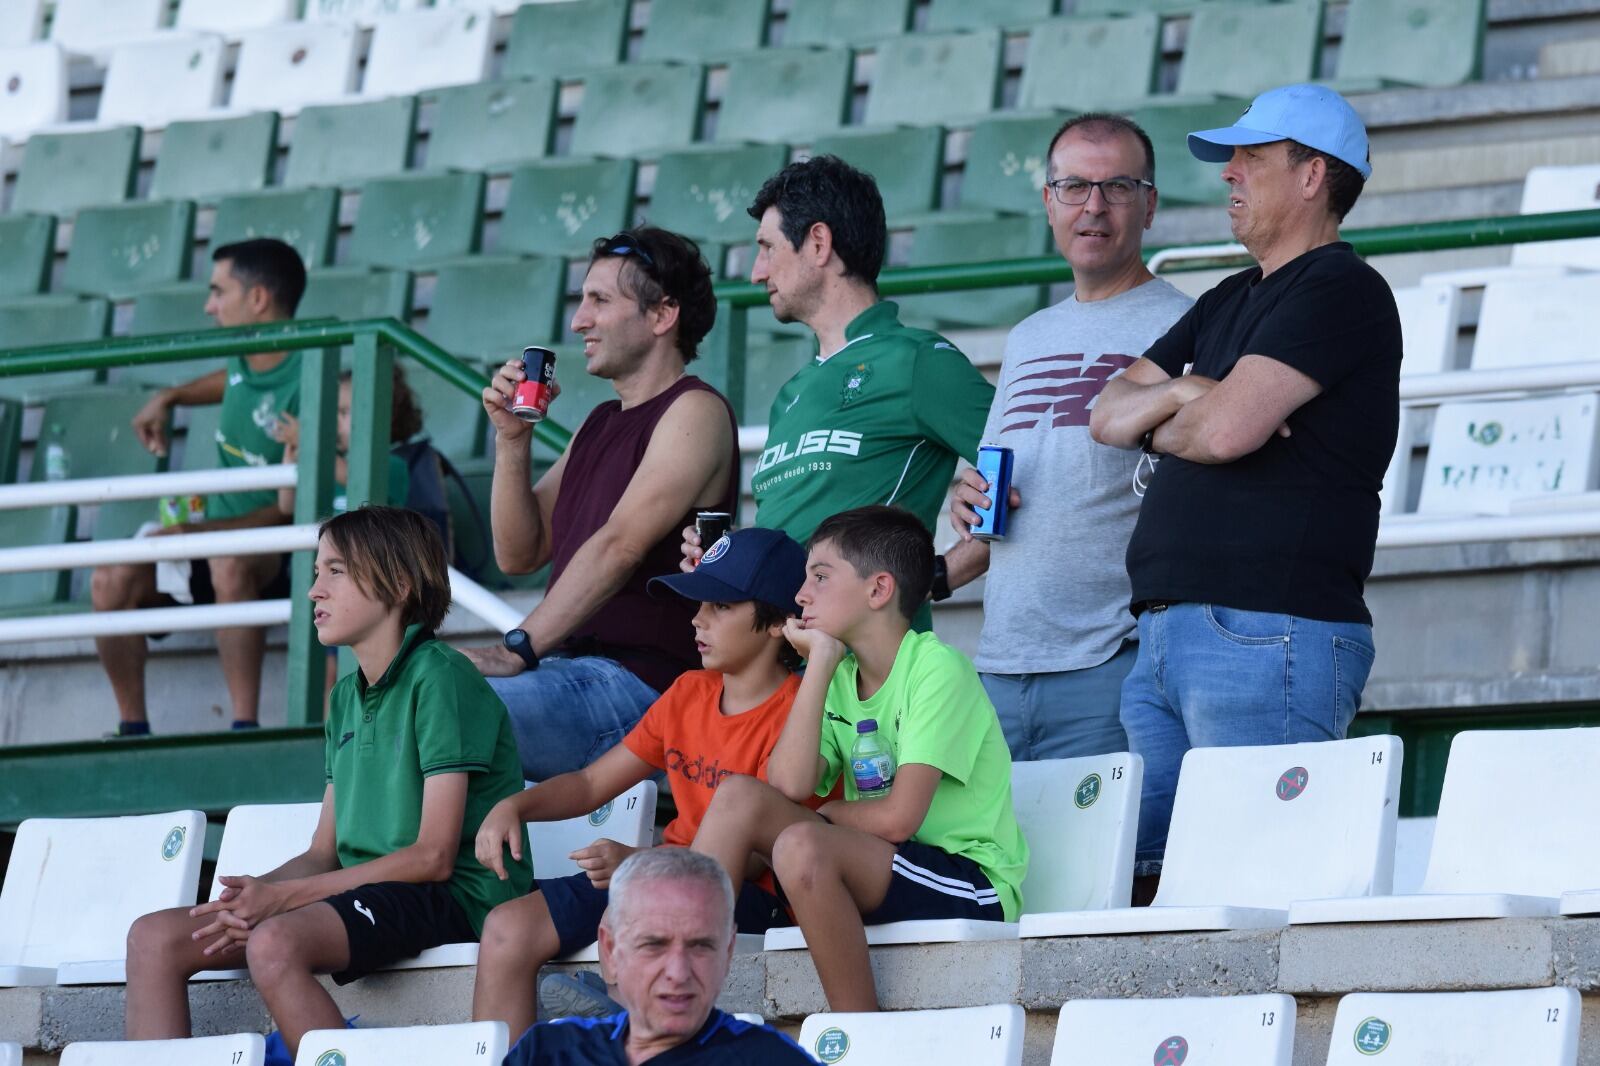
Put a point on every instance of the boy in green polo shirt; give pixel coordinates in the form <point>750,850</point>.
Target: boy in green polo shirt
<point>944,841</point>
<point>418,750</point>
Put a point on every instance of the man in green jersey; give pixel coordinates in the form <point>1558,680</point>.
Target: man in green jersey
<point>883,411</point>
<point>252,282</point>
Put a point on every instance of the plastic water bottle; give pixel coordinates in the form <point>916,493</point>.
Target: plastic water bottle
<point>56,465</point>
<point>871,761</point>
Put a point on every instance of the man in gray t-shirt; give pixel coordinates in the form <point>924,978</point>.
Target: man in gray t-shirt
<point>1057,637</point>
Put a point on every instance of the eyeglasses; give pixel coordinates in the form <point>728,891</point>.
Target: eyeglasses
<point>626,244</point>
<point>1075,191</point>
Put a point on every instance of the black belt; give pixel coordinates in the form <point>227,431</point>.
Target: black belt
<point>1154,605</point>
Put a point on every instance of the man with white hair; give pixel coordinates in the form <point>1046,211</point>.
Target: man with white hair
<point>667,941</point>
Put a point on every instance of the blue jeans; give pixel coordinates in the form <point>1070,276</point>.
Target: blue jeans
<point>1209,677</point>
<point>1063,714</point>
<point>569,712</point>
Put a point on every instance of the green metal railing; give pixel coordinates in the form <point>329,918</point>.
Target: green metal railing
<point>213,772</point>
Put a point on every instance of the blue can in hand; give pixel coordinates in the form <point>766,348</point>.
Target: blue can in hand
<point>994,466</point>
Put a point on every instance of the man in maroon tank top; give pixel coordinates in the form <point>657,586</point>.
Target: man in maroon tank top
<point>583,667</point>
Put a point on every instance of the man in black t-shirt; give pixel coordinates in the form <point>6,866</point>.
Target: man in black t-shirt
<point>1257,530</point>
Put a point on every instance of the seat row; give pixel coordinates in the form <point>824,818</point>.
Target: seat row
<point>1530,1027</point>
<point>1248,848</point>
<point>938,77</point>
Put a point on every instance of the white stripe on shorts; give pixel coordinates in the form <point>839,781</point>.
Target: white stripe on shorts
<point>947,885</point>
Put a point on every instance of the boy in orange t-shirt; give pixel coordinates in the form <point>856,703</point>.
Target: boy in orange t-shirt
<point>724,719</point>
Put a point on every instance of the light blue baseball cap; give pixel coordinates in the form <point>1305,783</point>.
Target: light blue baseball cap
<point>1315,116</point>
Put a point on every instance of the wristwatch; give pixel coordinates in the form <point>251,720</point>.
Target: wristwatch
<point>1149,443</point>
<point>939,589</point>
<point>517,640</point>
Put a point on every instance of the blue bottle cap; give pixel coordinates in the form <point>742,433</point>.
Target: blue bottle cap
<point>867,725</point>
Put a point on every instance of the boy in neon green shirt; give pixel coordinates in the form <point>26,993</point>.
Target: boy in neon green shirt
<point>944,842</point>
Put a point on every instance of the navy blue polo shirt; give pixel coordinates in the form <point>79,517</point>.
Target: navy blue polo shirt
<point>723,1039</point>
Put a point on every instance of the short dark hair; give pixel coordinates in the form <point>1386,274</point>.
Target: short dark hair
<point>768,615</point>
<point>405,417</point>
<point>879,538</point>
<point>826,189</point>
<point>661,265</point>
<point>269,263</point>
<point>1102,125</point>
<point>395,556</point>
<point>1344,181</point>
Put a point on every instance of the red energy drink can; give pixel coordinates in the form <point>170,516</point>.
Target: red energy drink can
<point>531,401</point>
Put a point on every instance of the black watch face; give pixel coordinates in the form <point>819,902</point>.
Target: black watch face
<point>516,640</point>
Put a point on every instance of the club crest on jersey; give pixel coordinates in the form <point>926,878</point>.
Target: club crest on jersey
<point>718,550</point>
<point>855,381</point>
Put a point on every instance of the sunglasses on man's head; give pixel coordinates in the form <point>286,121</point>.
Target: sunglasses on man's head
<point>626,244</point>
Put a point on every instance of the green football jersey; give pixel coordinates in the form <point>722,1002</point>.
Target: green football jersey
<point>251,404</point>
<point>881,421</point>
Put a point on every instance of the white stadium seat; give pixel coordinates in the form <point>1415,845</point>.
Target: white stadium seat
<point>1429,321</point>
<point>429,49</point>
<point>1486,457</point>
<point>21,22</point>
<point>245,1049</point>
<point>1581,901</point>
<point>1537,320</point>
<point>285,68</point>
<point>1413,839</point>
<point>1079,816</point>
<point>256,839</point>
<point>359,12</point>
<point>94,27</point>
<point>1528,1027</point>
<point>74,886</point>
<point>1498,852</point>
<point>33,88</point>
<point>153,83</point>
<point>499,7</point>
<point>972,1036</point>
<point>1547,189</point>
<point>465,1044</point>
<point>231,17</point>
<point>1250,832</point>
<point>10,1053</point>
<point>1237,1030</point>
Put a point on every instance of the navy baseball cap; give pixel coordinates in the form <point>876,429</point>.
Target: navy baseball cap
<point>1314,115</point>
<point>746,564</point>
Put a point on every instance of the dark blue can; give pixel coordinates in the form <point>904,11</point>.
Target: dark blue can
<point>994,466</point>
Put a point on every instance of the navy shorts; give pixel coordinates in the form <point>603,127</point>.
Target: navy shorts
<point>930,883</point>
<point>576,906</point>
<point>394,920</point>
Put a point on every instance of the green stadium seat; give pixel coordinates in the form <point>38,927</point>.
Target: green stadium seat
<point>977,14</point>
<point>346,144</point>
<point>1180,177</point>
<point>923,78</point>
<point>10,439</point>
<point>25,529</point>
<point>1137,7</point>
<point>42,320</point>
<point>353,293</point>
<point>641,109</point>
<point>27,247</point>
<point>907,162</point>
<point>560,206</point>
<point>581,392</point>
<point>704,191</point>
<point>787,95</point>
<point>1091,64</point>
<point>768,364</point>
<point>562,40</point>
<point>214,157</point>
<point>95,430</point>
<point>490,308</point>
<point>491,125</point>
<point>688,31</point>
<point>307,219</point>
<point>1224,56</point>
<point>848,22</point>
<point>453,420</point>
<point>62,172</point>
<point>469,521</point>
<point>200,438</point>
<point>118,251</point>
<point>170,309</point>
<point>1412,42</point>
<point>418,219</point>
<point>1006,160</point>
<point>977,240</point>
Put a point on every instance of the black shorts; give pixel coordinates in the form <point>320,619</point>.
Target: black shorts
<point>201,589</point>
<point>575,907</point>
<point>394,920</point>
<point>930,883</point>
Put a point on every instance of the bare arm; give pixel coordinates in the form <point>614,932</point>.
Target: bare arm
<point>969,560</point>
<point>1138,400</point>
<point>897,816</point>
<point>150,423</point>
<point>796,765</point>
<point>966,561</point>
<point>1239,415</point>
<point>519,511</point>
